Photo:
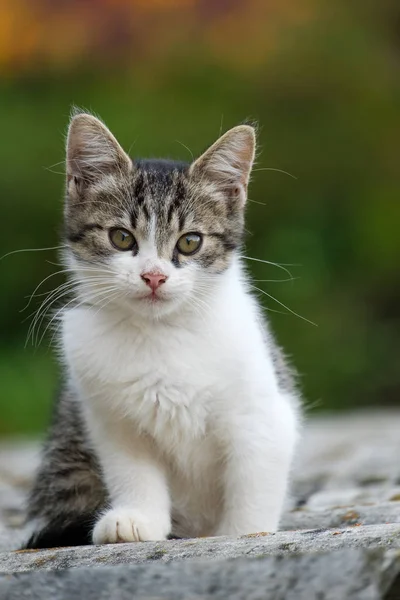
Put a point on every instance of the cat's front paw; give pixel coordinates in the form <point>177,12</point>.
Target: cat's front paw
<point>128,525</point>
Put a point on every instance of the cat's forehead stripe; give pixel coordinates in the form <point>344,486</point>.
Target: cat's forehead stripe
<point>161,190</point>
<point>138,188</point>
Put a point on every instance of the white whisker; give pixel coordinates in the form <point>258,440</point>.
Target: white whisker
<point>56,295</point>
<point>85,300</point>
<point>277,170</point>
<point>256,202</point>
<point>188,149</point>
<point>267,262</point>
<point>38,286</point>
<point>284,306</point>
<point>275,280</point>
<point>31,250</point>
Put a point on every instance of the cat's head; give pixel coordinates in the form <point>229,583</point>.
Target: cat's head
<point>152,234</point>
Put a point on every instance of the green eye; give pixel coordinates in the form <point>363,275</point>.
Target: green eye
<point>189,243</point>
<point>122,239</point>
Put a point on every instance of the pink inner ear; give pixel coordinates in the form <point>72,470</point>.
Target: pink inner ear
<point>236,190</point>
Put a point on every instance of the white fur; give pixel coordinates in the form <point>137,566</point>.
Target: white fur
<point>182,403</point>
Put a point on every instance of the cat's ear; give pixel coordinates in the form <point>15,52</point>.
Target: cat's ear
<point>228,162</point>
<point>92,152</point>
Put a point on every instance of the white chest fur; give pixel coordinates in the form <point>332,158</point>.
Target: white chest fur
<point>202,389</point>
<point>168,377</point>
<point>163,378</point>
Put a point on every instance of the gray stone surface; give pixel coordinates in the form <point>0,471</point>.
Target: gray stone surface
<point>340,538</point>
<point>344,575</point>
<point>251,546</point>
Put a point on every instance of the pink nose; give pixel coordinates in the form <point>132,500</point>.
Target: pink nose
<point>154,280</point>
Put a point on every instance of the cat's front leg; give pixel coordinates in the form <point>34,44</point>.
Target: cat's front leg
<point>258,455</point>
<point>138,491</point>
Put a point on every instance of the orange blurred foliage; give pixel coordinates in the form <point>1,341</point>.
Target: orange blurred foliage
<point>41,34</point>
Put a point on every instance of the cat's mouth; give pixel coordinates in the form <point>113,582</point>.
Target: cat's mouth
<point>153,297</point>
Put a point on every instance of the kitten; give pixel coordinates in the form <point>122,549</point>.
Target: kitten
<point>178,415</point>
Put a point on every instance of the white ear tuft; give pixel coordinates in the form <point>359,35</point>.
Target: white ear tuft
<point>92,150</point>
<point>229,160</point>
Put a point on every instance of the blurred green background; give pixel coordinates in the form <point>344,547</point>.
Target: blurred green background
<point>323,81</point>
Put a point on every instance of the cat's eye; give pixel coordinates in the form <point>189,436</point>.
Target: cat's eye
<point>189,243</point>
<point>122,239</point>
